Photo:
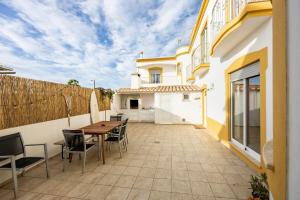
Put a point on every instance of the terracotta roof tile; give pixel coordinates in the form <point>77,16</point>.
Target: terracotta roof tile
<point>161,89</point>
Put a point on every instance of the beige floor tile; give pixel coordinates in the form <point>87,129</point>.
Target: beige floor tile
<point>222,190</point>
<point>181,186</point>
<point>201,188</point>
<point>48,187</point>
<point>126,181</point>
<point>150,164</point>
<point>197,176</point>
<point>109,179</point>
<point>162,185</point>
<point>194,167</point>
<point>163,173</point>
<point>132,171</point>
<point>164,164</point>
<point>180,175</point>
<point>241,192</point>
<point>200,197</point>
<point>157,195</point>
<point>80,190</point>
<point>98,192</point>
<point>143,183</point>
<point>64,188</point>
<point>138,194</point>
<point>236,179</point>
<point>180,196</point>
<point>179,166</point>
<point>118,193</point>
<point>147,172</point>
<point>117,169</point>
<point>136,163</point>
<point>215,178</point>
<point>209,168</point>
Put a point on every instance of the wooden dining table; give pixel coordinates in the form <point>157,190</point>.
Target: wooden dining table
<point>101,129</point>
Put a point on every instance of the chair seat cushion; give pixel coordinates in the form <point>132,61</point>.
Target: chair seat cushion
<point>24,162</point>
<point>80,148</point>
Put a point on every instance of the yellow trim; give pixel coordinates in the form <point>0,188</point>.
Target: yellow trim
<point>201,66</point>
<point>182,53</point>
<point>155,59</point>
<point>251,10</point>
<point>198,23</point>
<point>244,61</point>
<point>191,78</point>
<point>277,178</point>
<point>204,94</point>
<point>227,11</point>
<point>155,68</point>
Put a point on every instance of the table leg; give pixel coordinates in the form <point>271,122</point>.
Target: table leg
<point>103,148</point>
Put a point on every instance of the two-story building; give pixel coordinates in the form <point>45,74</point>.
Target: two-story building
<point>160,93</point>
<point>222,80</point>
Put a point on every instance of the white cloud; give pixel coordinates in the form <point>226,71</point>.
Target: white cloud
<point>58,44</point>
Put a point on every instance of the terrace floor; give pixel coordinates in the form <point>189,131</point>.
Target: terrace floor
<point>162,162</point>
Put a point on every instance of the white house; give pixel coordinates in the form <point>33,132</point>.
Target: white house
<point>228,72</point>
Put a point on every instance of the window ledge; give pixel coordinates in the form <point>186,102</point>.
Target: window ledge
<point>268,155</point>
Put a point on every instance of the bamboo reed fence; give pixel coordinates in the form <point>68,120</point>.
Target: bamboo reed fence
<point>26,101</point>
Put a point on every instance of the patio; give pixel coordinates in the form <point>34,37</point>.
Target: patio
<point>162,162</point>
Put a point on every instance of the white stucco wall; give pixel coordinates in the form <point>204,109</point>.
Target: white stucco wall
<point>47,132</point>
<point>169,75</point>
<point>293,117</point>
<point>215,78</point>
<point>170,108</point>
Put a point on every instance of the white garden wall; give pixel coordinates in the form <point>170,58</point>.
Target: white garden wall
<point>47,132</point>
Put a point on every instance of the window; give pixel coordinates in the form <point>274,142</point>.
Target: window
<point>245,109</point>
<point>179,69</point>
<point>155,76</point>
<point>186,97</point>
<point>134,104</point>
<point>204,46</point>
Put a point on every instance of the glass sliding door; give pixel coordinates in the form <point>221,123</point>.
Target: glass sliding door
<point>253,110</point>
<point>238,91</point>
<point>245,110</point>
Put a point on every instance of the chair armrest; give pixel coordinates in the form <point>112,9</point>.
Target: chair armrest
<point>42,144</point>
<point>7,157</point>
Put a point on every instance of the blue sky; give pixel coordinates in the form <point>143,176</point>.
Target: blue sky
<point>90,39</point>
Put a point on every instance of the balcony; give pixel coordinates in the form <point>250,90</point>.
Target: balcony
<point>233,20</point>
<point>164,80</point>
<point>200,60</point>
<point>189,74</point>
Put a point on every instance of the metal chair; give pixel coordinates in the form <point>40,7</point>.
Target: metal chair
<point>120,139</point>
<point>12,149</point>
<point>115,118</point>
<point>75,142</point>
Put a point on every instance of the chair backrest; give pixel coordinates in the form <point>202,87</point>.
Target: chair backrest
<point>73,138</point>
<point>122,131</point>
<point>115,118</point>
<point>11,145</point>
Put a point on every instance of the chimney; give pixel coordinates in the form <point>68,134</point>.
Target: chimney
<point>135,80</point>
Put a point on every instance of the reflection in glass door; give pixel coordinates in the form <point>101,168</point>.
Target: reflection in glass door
<point>253,110</point>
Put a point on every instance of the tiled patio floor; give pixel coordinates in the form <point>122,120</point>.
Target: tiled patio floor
<point>162,162</point>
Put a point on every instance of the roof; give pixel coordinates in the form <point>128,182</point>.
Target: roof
<point>160,89</point>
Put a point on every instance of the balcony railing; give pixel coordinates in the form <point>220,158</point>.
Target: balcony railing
<point>226,10</point>
<point>218,17</point>
<point>163,80</point>
<point>200,56</point>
